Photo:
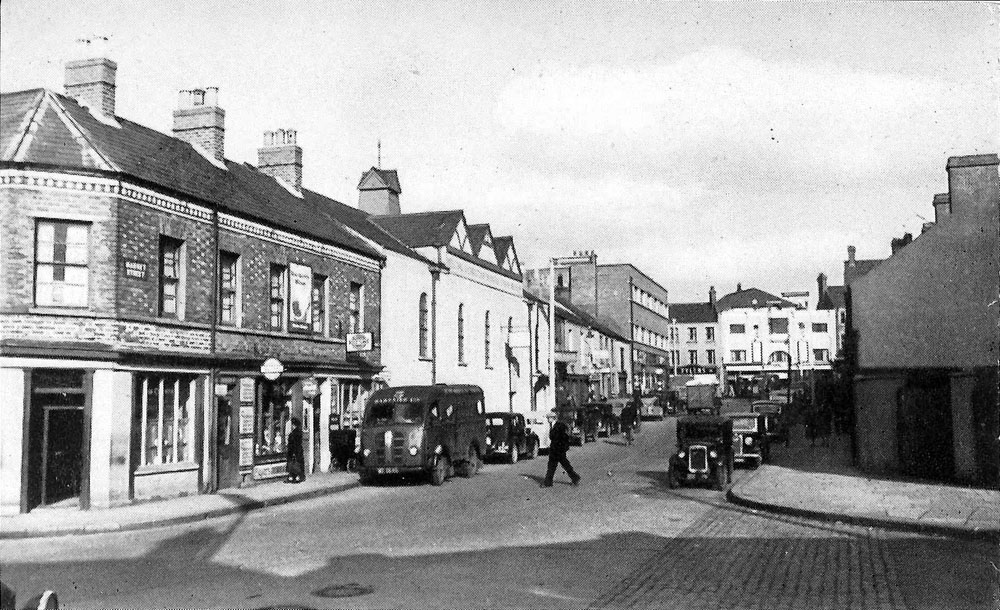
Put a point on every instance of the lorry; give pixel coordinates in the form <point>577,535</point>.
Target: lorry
<point>702,395</point>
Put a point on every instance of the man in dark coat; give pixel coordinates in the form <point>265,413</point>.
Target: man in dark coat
<point>628,418</point>
<point>296,458</point>
<point>559,437</point>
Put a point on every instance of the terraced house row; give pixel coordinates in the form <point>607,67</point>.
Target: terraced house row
<point>165,311</point>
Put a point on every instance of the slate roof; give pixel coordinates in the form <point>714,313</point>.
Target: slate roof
<point>422,229</point>
<point>859,268</point>
<point>476,235</point>
<point>835,298</point>
<point>750,298</point>
<point>574,314</point>
<point>692,313</point>
<point>389,177</point>
<point>30,121</point>
<point>502,245</point>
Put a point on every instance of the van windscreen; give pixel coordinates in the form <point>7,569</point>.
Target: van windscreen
<point>396,412</point>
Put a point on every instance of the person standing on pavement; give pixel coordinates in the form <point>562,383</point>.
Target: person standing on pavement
<point>628,423</point>
<point>295,455</point>
<point>559,437</point>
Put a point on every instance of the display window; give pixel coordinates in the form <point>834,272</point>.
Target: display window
<point>273,419</point>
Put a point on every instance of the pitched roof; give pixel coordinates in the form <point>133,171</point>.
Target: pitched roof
<point>691,313</point>
<point>572,313</point>
<point>388,177</point>
<point>46,128</point>
<point>833,298</point>
<point>858,268</point>
<point>422,229</point>
<point>476,235</point>
<point>750,298</point>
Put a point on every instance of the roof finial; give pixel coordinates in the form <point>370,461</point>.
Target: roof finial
<point>379,153</point>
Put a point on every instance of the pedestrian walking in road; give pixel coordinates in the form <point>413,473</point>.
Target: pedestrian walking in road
<point>296,458</point>
<point>628,423</point>
<point>559,437</point>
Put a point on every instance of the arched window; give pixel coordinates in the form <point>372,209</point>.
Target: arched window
<point>423,325</point>
<point>777,357</point>
<point>486,340</point>
<point>461,333</point>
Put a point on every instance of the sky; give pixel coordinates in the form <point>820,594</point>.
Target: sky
<point>708,144</point>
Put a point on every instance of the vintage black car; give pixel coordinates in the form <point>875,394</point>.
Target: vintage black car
<point>508,436</point>
<point>704,451</point>
<point>607,423</point>
<point>750,444</point>
<point>775,424</point>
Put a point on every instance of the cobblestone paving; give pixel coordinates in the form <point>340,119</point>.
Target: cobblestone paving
<point>738,559</point>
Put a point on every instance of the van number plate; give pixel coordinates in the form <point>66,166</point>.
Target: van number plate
<point>388,470</point>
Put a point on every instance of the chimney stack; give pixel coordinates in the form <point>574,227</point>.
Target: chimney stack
<point>973,186</point>
<point>821,284</point>
<point>200,122</point>
<point>739,287</point>
<point>851,251</point>
<point>711,295</point>
<point>91,82</point>
<point>281,157</point>
<point>942,206</point>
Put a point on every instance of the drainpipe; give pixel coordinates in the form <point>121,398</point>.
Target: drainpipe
<point>435,278</point>
<point>213,443</point>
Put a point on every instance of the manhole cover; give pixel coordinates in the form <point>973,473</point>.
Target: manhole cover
<point>349,590</point>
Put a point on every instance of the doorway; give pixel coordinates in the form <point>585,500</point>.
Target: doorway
<point>57,438</point>
<point>227,473</point>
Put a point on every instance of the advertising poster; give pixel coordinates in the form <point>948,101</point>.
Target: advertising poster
<point>246,451</point>
<point>246,419</point>
<point>300,297</point>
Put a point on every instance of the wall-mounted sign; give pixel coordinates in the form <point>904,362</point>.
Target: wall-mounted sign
<point>272,369</point>
<point>246,452</point>
<point>246,419</point>
<point>300,297</point>
<point>247,388</point>
<point>359,342</point>
<point>135,269</point>
<point>222,390</point>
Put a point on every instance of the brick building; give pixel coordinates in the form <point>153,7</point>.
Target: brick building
<point>922,341</point>
<point>694,337</point>
<point>146,280</point>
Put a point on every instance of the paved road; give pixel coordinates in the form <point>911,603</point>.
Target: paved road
<point>621,539</point>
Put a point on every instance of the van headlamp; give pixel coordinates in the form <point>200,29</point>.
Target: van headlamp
<point>413,450</point>
<point>367,452</point>
<point>712,454</point>
<point>748,441</point>
<point>681,454</point>
<point>438,450</point>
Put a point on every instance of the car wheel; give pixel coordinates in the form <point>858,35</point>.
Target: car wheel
<point>512,455</point>
<point>366,478</point>
<point>672,480</point>
<point>440,471</point>
<point>720,478</point>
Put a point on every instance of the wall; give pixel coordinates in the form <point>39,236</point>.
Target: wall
<point>875,422</point>
<point>404,279</point>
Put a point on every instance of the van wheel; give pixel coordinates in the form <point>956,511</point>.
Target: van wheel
<point>472,463</point>
<point>512,455</point>
<point>672,480</point>
<point>440,471</point>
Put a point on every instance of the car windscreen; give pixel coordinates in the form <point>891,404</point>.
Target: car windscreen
<point>497,422</point>
<point>700,431</point>
<point>744,424</point>
<point>395,412</point>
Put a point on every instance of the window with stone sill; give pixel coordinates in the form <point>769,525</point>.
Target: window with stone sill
<point>165,406</point>
<point>171,277</point>
<point>62,253</point>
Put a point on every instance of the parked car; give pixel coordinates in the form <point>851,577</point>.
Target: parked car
<point>650,408</point>
<point>704,451</point>
<point>749,438</point>
<point>435,430</point>
<point>507,435</point>
<point>540,426</point>
<point>775,424</point>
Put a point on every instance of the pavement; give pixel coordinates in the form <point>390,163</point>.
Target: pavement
<point>818,482</point>
<point>67,520</point>
<point>815,482</point>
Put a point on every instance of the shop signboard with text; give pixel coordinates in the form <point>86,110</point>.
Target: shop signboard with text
<point>299,297</point>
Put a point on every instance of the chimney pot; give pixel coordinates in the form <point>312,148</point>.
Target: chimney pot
<point>281,157</point>
<point>200,122</point>
<point>851,251</point>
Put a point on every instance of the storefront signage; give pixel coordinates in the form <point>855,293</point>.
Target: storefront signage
<point>246,452</point>
<point>247,389</point>
<point>272,369</point>
<point>222,390</point>
<point>270,471</point>
<point>136,269</point>
<point>359,342</point>
<point>300,297</point>
<point>310,388</point>
<point>246,419</point>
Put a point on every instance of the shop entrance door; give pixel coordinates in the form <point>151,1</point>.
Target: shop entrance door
<point>227,473</point>
<point>62,457</point>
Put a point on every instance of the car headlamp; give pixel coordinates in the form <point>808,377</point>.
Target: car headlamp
<point>489,441</point>
<point>367,452</point>
<point>748,441</point>
<point>712,454</point>
<point>438,450</point>
<point>681,454</point>
<point>413,450</point>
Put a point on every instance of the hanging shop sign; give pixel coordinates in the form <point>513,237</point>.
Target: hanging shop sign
<point>359,342</point>
<point>300,297</point>
<point>310,388</point>
<point>272,369</point>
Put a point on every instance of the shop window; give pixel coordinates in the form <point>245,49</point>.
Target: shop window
<point>319,304</point>
<point>229,288</point>
<point>171,277</point>
<point>273,418</point>
<point>424,314</point>
<point>165,407</point>
<point>278,286</point>
<point>61,258</point>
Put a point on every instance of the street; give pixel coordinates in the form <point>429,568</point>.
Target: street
<point>620,539</point>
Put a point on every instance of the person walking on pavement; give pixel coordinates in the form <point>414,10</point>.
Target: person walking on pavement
<point>558,448</point>
<point>295,456</point>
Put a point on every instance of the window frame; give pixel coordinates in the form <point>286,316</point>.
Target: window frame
<point>693,356</point>
<point>355,308</point>
<point>318,296</point>
<point>187,457</point>
<point>709,334</point>
<point>820,327</point>
<point>737,329</point>
<point>229,261</point>
<point>178,281</point>
<point>277,288</point>
<point>55,264</point>
<point>773,323</point>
